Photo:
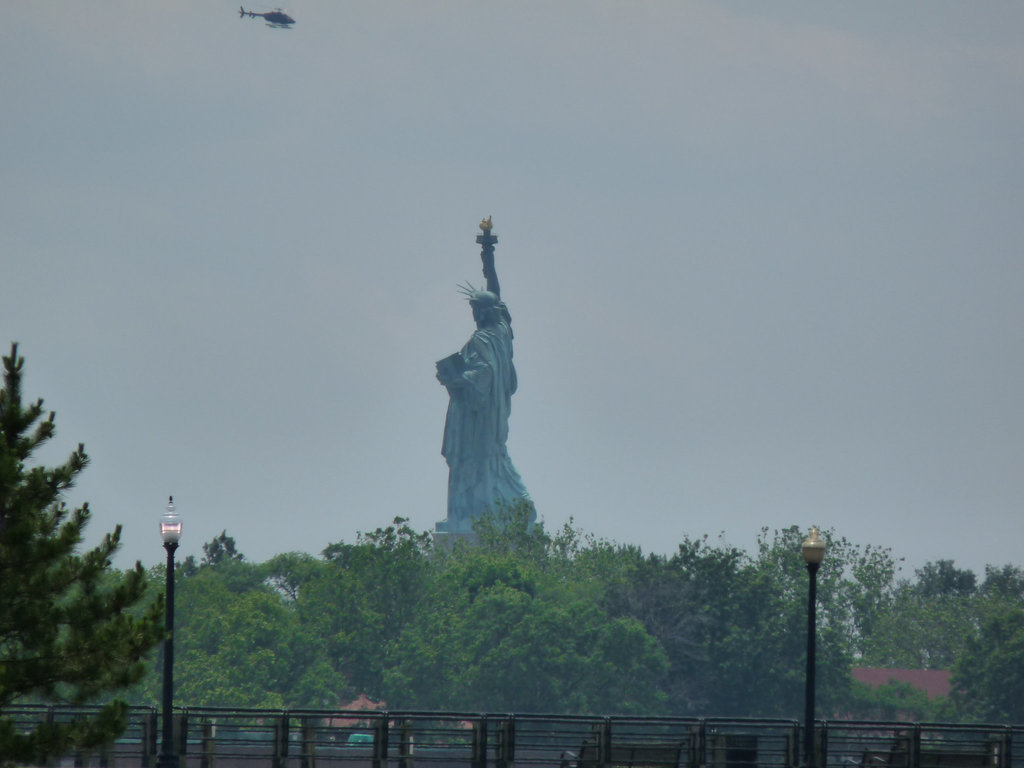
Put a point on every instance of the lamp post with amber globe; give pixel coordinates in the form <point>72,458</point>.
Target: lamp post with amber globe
<point>813,551</point>
<point>170,532</point>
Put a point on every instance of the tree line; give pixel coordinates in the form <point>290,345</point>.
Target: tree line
<point>526,620</point>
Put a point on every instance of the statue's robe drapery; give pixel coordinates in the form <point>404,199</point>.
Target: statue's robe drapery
<point>480,472</point>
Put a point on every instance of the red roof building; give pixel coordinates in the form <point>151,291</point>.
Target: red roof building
<point>934,682</point>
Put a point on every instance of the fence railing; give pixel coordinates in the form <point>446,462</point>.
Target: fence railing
<point>208,737</point>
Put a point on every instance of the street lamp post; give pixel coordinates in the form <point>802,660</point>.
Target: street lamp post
<point>813,551</point>
<point>170,532</point>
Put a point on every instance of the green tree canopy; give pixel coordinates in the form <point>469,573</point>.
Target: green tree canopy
<point>926,622</point>
<point>988,678</point>
<point>248,649</point>
<point>363,598</point>
<point>507,627</point>
<point>220,550</point>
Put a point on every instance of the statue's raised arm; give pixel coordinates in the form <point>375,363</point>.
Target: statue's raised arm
<point>487,241</point>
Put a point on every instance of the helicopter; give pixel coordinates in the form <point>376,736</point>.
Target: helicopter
<point>274,18</point>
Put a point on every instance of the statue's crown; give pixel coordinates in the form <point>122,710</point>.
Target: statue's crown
<point>478,297</point>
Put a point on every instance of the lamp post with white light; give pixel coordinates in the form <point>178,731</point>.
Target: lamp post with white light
<point>813,551</point>
<point>170,532</point>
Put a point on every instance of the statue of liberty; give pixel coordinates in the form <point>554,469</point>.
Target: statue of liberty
<point>481,380</point>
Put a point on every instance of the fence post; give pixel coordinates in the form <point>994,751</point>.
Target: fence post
<point>405,745</point>
<point>719,750</point>
<point>149,728</point>
<point>505,749</point>
<point>914,747</point>
<point>209,745</point>
<point>280,759</point>
<point>380,743</point>
<point>307,757</point>
<point>179,724</point>
<point>697,746</point>
<point>793,746</point>
<point>479,746</point>
<point>50,761</point>
<point>604,743</point>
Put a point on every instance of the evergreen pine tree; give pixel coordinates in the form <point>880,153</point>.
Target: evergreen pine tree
<point>72,629</point>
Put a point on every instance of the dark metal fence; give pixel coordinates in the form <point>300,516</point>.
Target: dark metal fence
<point>208,737</point>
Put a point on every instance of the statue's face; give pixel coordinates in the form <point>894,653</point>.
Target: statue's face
<point>484,316</point>
<point>485,308</point>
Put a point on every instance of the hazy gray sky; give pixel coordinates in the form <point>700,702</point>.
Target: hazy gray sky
<point>763,261</point>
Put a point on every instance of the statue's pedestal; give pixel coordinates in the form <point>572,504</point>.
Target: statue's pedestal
<point>448,539</point>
